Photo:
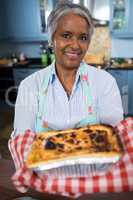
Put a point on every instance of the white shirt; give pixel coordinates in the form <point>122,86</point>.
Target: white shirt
<point>61,112</point>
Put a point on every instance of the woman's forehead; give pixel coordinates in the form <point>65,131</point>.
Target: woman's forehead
<point>72,21</point>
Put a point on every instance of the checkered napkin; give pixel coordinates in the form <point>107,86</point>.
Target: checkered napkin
<point>118,179</point>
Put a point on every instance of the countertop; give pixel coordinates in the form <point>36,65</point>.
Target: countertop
<point>30,63</point>
<point>123,66</point>
<point>36,63</point>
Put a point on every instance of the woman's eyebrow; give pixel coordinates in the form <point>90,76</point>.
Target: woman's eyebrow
<point>70,32</point>
<point>65,31</point>
<point>86,34</point>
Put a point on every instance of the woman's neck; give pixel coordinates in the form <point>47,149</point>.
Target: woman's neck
<point>67,78</point>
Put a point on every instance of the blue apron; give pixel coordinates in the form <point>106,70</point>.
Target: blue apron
<point>91,119</point>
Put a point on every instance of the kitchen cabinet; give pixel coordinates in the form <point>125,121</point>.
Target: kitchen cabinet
<point>121,15</point>
<point>124,79</point>
<point>6,85</point>
<point>0,25</point>
<point>1,20</point>
<point>24,22</point>
<point>21,73</point>
<point>130,93</point>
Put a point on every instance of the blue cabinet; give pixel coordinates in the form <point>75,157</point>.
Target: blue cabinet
<point>130,92</point>
<point>121,15</point>
<point>24,21</point>
<point>124,78</point>
<point>21,73</point>
<point>121,77</point>
<point>1,25</point>
<point>2,20</point>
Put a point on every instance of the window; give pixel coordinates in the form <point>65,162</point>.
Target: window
<point>45,9</point>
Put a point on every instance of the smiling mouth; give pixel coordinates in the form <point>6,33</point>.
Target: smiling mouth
<point>72,55</point>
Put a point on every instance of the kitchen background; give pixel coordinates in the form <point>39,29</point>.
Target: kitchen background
<point>24,49</point>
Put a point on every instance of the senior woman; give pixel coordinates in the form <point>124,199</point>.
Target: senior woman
<point>68,93</point>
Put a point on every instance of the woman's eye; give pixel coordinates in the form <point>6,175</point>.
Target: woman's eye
<point>66,35</point>
<point>84,37</point>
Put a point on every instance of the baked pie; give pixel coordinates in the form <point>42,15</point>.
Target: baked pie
<point>92,141</point>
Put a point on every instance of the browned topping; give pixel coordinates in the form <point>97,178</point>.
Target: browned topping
<point>71,141</point>
<point>59,145</point>
<point>52,139</point>
<point>86,141</point>
<point>103,148</point>
<point>73,134</point>
<point>59,135</point>
<point>87,131</point>
<point>61,150</point>
<point>50,145</point>
<point>40,137</point>
<point>77,141</point>
<point>98,137</point>
<point>79,148</point>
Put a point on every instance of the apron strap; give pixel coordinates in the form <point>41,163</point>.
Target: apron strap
<point>91,118</point>
<point>41,101</point>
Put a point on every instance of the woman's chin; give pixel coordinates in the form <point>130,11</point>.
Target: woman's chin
<point>72,64</point>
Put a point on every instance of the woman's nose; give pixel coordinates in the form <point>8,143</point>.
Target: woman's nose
<point>75,43</point>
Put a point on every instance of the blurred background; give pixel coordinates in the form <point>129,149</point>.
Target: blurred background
<point>24,49</point>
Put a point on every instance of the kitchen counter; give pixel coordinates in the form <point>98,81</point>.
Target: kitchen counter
<point>120,68</point>
<point>30,62</point>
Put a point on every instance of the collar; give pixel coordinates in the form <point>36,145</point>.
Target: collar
<point>80,75</point>
<point>53,72</point>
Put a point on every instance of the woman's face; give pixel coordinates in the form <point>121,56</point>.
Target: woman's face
<point>70,41</point>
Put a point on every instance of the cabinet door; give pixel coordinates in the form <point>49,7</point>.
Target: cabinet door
<point>20,74</point>
<point>121,23</point>
<point>23,19</point>
<point>0,25</point>
<point>121,77</point>
<point>1,20</point>
<point>6,81</point>
<point>130,94</point>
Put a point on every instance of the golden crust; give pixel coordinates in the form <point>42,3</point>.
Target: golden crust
<point>98,141</point>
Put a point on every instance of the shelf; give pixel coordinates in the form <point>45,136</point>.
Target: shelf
<point>43,37</point>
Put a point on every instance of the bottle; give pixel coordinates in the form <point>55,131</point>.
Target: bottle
<point>22,57</point>
<point>44,58</point>
<point>14,58</point>
<point>52,56</point>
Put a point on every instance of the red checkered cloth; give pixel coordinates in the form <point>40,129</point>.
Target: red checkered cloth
<point>118,179</point>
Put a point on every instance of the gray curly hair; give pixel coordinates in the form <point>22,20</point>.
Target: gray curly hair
<point>61,9</point>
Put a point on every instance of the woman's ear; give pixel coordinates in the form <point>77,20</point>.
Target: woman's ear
<point>50,44</point>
